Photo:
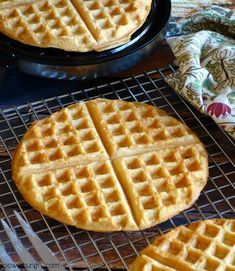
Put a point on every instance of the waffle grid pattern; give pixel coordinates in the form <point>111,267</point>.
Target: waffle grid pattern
<point>73,25</point>
<point>204,246</point>
<point>115,251</point>
<point>131,128</point>
<point>162,180</point>
<point>89,193</point>
<point>66,135</point>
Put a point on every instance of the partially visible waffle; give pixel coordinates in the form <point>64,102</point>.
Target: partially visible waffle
<point>62,168</point>
<point>202,246</point>
<point>46,23</point>
<point>66,138</point>
<point>86,196</point>
<point>112,22</point>
<point>132,128</point>
<point>162,183</point>
<point>73,25</point>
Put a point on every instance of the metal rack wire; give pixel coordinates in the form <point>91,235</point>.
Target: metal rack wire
<point>82,250</point>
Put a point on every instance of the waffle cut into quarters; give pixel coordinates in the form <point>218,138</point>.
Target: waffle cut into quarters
<point>203,246</point>
<point>109,165</point>
<point>73,25</point>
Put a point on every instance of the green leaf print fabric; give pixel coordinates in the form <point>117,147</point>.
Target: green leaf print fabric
<point>206,59</point>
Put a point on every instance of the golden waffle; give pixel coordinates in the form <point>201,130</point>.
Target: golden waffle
<point>66,138</point>
<point>132,128</point>
<point>203,246</point>
<point>73,25</point>
<point>129,187</point>
<point>160,184</point>
<point>87,196</point>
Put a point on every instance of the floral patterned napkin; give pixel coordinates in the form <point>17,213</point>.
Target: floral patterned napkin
<point>206,59</point>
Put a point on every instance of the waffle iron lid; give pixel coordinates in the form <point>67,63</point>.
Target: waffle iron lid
<point>153,27</point>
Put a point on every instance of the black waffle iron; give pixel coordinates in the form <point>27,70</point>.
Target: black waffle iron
<point>59,64</point>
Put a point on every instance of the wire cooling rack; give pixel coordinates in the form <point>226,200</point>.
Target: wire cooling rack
<point>82,250</point>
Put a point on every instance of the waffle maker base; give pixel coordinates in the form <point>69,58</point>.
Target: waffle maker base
<point>59,64</point>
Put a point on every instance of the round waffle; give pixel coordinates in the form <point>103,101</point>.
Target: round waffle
<point>73,25</point>
<point>203,246</point>
<point>109,165</point>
